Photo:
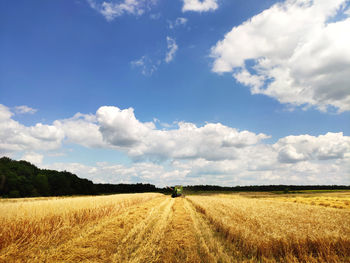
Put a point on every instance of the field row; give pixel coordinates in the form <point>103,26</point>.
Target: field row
<point>157,228</point>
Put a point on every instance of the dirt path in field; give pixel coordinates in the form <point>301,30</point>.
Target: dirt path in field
<point>160,230</point>
<point>174,233</point>
<point>180,242</point>
<point>114,239</point>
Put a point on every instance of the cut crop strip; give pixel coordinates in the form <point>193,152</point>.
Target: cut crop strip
<point>260,230</point>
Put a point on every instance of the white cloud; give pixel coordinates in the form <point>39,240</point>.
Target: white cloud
<point>347,12</point>
<point>116,173</point>
<point>15,137</point>
<point>24,109</point>
<point>296,52</point>
<point>5,113</point>
<point>120,128</point>
<point>111,10</point>
<point>199,5</point>
<point>81,129</point>
<point>34,158</point>
<point>185,153</point>
<point>172,48</point>
<point>216,153</point>
<point>265,169</point>
<point>260,165</point>
<point>293,149</point>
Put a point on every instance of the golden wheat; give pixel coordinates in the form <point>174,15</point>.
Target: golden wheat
<point>156,228</point>
<point>270,230</point>
<point>26,225</point>
<point>336,200</point>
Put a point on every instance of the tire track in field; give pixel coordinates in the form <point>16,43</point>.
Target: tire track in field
<point>182,234</point>
<point>212,247</point>
<point>142,243</point>
<point>101,242</point>
<point>213,243</point>
<point>162,230</point>
<point>39,236</point>
<point>180,243</point>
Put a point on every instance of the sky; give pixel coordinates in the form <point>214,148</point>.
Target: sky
<point>224,92</point>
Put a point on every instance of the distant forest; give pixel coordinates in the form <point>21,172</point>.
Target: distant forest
<point>23,179</point>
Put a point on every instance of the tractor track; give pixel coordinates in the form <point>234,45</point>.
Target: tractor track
<point>163,229</point>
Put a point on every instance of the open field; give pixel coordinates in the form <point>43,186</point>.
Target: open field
<point>157,228</point>
<point>331,199</point>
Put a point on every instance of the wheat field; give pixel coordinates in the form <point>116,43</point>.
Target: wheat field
<point>331,199</point>
<point>156,228</point>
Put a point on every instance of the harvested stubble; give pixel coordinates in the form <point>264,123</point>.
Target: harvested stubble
<point>156,228</point>
<point>270,231</point>
<point>27,227</point>
<point>341,201</point>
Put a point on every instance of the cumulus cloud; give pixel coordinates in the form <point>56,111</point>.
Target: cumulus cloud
<point>81,129</point>
<point>347,12</point>
<point>104,172</point>
<point>33,157</point>
<point>260,165</point>
<point>217,153</point>
<point>5,113</point>
<point>293,149</point>
<point>172,48</point>
<point>183,153</point>
<point>199,5</point>
<point>111,10</point>
<point>16,137</point>
<point>24,109</point>
<point>295,51</point>
<point>246,170</point>
<point>120,128</point>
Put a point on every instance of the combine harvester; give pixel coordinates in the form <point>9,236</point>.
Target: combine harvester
<point>177,191</point>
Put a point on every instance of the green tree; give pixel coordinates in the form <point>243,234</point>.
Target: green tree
<point>14,194</point>
<point>41,183</point>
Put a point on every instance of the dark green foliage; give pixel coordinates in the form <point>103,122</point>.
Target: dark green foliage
<point>286,190</point>
<point>14,194</point>
<point>22,179</point>
<point>41,183</point>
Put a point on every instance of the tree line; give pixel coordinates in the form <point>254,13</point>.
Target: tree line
<point>23,179</point>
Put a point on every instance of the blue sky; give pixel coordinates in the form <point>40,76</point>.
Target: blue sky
<point>196,91</point>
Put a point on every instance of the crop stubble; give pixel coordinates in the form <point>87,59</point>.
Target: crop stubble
<point>157,228</point>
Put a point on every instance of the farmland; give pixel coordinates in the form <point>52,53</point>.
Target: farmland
<point>156,228</point>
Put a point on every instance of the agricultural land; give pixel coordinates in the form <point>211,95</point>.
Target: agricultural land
<point>152,227</point>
